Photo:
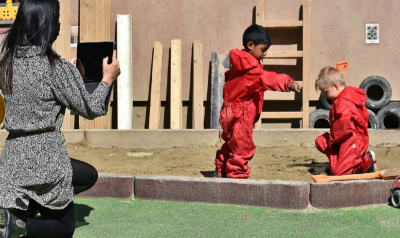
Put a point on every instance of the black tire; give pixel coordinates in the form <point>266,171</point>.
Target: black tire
<point>319,119</point>
<point>389,117</point>
<point>325,102</point>
<point>378,91</point>
<point>395,198</point>
<point>373,122</point>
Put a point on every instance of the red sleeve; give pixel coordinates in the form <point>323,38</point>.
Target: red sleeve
<point>275,82</point>
<point>342,122</point>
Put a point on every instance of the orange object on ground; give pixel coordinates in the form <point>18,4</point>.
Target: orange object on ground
<point>344,63</point>
<point>383,174</point>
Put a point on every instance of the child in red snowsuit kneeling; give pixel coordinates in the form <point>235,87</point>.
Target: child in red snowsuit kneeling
<point>347,143</point>
<point>245,83</point>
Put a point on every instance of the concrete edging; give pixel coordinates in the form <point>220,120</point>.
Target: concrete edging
<point>259,193</point>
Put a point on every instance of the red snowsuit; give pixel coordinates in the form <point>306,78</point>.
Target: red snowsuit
<point>245,83</point>
<point>349,133</point>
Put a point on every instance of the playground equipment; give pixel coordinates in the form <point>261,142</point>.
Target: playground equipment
<point>395,193</point>
<point>9,12</point>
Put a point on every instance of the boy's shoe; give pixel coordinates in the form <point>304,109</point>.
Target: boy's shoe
<point>219,174</point>
<point>11,226</point>
<point>373,167</point>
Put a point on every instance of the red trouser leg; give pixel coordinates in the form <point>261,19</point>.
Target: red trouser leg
<point>239,148</point>
<point>346,157</point>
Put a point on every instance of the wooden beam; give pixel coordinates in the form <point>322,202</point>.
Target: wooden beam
<point>95,25</point>
<point>156,80</point>
<point>198,117</point>
<point>283,54</point>
<point>176,84</point>
<point>282,24</point>
<point>260,12</point>
<point>281,115</point>
<point>306,59</point>
<point>63,46</point>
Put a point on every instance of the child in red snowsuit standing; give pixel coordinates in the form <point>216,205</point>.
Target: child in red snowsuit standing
<point>245,83</point>
<point>347,143</point>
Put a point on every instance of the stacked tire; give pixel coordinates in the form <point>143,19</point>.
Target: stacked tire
<point>383,114</point>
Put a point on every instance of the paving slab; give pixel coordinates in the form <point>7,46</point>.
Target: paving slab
<point>111,186</point>
<point>350,193</point>
<point>263,193</point>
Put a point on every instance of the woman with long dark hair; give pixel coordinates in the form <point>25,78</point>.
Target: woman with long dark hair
<point>38,85</point>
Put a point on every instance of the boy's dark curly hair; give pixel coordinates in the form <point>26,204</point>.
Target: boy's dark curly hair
<point>256,34</point>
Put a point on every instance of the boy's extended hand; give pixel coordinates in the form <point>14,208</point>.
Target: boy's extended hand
<point>295,87</point>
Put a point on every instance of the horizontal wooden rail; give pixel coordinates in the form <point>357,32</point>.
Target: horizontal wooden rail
<point>284,54</point>
<point>282,24</point>
<point>282,115</point>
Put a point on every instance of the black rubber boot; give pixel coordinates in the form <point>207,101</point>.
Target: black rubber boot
<point>11,226</point>
<point>217,174</point>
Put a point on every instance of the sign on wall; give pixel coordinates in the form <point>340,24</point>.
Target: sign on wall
<point>372,33</point>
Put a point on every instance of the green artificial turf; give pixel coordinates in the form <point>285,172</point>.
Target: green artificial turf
<point>139,218</point>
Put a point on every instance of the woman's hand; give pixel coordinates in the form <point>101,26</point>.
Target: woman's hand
<point>111,71</point>
<point>73,61</point>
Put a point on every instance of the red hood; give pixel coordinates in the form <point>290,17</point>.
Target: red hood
<point>241,60</point>
<point>355,95</point>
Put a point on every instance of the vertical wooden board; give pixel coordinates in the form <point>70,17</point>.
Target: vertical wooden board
<point>87,18</point>
<point>62,45</point>
<point>198,118</point>
<point>260,12</point>
<point>306,59</point>
<point>103,33</point>
<point>95,24</point>
<point>103,21</point>
<point>258,124</point>
<point>176,84</point>
<point>155,100</point>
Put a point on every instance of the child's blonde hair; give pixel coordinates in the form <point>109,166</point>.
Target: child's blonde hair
<point>327,76</point>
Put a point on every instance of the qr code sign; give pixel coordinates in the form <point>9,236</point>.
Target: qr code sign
<point>372,33</point>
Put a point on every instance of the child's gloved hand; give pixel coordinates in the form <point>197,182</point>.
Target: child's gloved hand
<point>295,87</point>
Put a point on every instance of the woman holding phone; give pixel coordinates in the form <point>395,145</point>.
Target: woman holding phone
<point>38,85</point>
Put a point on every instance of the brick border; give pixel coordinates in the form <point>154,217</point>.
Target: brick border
<point>274,194</point>
<point>111,186</point>
<point>350,193</point>
<point>250,192</point>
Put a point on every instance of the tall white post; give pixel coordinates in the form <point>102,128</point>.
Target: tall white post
<point>124,83</point>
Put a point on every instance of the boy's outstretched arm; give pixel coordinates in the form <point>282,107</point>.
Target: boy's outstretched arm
<point>277,82</point>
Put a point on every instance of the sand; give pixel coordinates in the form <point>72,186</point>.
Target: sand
<point>293,163</point>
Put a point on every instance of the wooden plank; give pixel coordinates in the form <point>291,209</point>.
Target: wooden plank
<point>258,124</point>
<point>176,84</point>
<point>283,54</point>
<point>103,33</point>
<point>282,24</point>
<point>62,46</point>
<point>95,24</point>
<point>306,59</point>
<point>282,115</point>
<point>260,12</point>
<point>156,80</point>
<point>198,117</point>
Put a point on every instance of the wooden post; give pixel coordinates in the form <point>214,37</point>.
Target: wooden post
<point>176,84</point>
<point>95,24</point>
<point>259,21</point>
<point>198,118</point>
<point>260,12</point>
<point>156,80</point>
<point>63,46</point>
<point>306,59</point>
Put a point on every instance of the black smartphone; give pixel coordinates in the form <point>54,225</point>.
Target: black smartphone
<point>90,57</point>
